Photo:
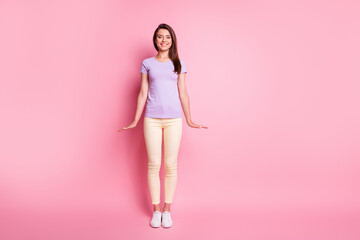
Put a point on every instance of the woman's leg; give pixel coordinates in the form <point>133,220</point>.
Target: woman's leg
<point>172,139</point>
<point>153,141</point>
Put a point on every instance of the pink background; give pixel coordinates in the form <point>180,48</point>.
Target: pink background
<point>276,82</point>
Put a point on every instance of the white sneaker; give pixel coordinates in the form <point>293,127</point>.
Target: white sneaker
<point>156,219</point>
<point>166,219</point>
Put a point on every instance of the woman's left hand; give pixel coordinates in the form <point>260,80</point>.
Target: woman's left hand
<point>194,125</point>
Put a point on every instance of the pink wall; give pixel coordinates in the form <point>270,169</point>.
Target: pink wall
<point>276,82</point>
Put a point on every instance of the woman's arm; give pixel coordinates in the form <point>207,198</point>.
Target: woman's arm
<point>141,97</point>
<point>141,100</point>
<point>185,101</point>
<point>184,97</point>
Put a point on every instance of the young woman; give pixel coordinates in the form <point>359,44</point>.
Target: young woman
<point>164,92</point>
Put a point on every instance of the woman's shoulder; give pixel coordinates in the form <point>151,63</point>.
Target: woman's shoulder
<point>182,62</point>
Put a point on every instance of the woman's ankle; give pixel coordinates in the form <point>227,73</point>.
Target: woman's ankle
<point>166,207</point>
<point>157,207</point>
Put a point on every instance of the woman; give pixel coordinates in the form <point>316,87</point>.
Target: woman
<point>164,92</point>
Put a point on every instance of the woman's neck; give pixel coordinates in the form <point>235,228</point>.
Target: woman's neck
<point>162,55</point>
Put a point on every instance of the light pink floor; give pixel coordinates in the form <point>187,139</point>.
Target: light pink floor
<point>188,224</point>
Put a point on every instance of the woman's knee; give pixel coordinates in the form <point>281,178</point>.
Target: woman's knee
<point>171,168</point>
<point>154,167</point>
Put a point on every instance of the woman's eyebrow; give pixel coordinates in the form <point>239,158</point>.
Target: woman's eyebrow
<point>161,35</point>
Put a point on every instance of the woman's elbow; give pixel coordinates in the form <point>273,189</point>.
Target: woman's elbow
<point>143,94</point>
<point>183,95</point>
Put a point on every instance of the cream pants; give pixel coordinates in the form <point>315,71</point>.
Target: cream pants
<point>153,140</point>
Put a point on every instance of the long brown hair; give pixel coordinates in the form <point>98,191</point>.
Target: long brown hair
<point>173,53</point>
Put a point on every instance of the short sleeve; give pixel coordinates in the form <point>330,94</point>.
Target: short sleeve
<point>183,67</point>
<point>143,68</point>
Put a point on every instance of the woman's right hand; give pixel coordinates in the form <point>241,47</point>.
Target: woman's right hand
<point>132,125</point>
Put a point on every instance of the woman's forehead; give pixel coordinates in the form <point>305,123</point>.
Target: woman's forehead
<point>163,32</point>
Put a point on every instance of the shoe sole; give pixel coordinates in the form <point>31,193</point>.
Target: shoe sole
<point>154,226</point>
<point>166,226</point>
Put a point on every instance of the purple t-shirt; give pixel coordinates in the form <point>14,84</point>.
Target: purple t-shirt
<point>163,96</point>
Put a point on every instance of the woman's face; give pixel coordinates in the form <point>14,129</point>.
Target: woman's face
<point>163,39</point>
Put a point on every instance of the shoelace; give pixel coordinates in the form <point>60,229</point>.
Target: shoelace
<point>157,215</point>
<point>166,217</point>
